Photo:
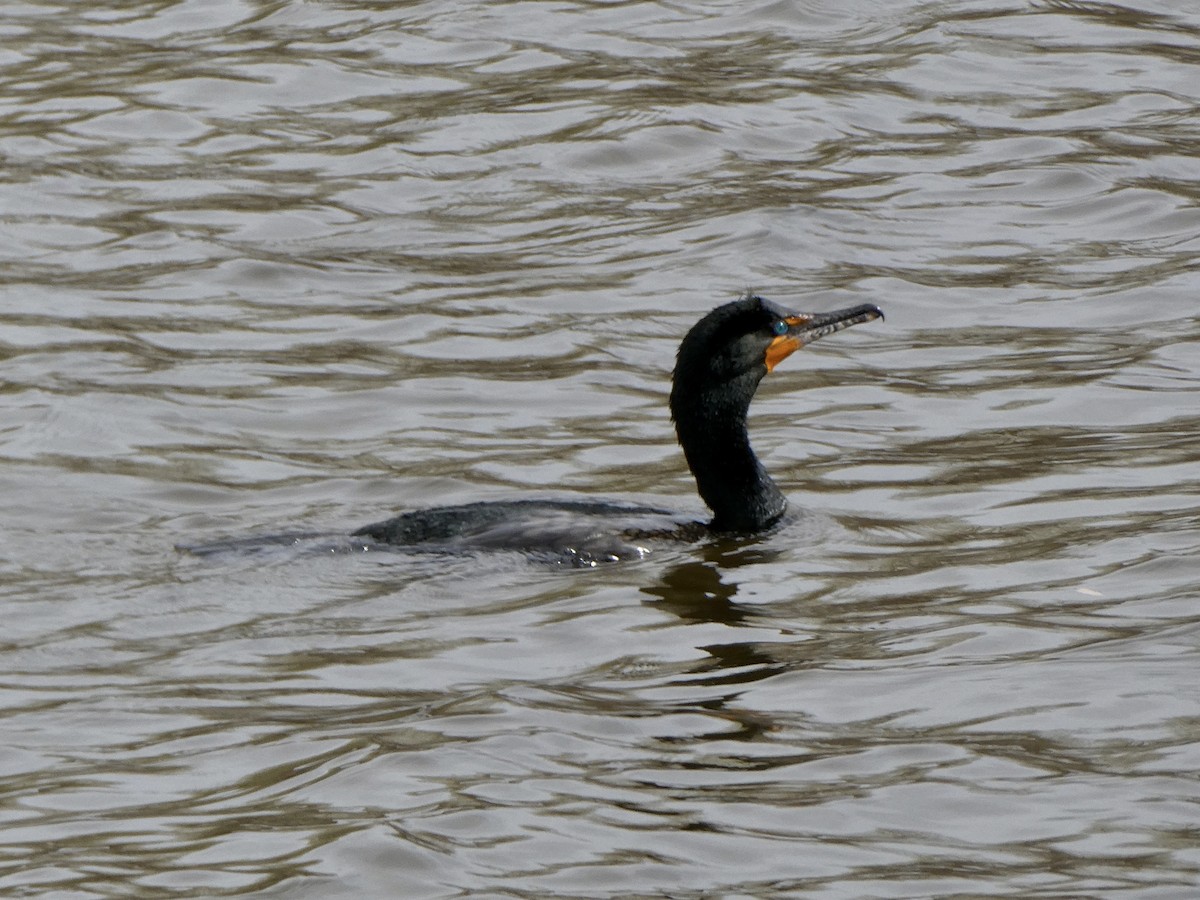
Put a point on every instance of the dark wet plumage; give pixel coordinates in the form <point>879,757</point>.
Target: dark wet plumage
<point>718,368</point>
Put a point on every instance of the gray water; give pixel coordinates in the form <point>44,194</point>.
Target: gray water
<point>299,266</point>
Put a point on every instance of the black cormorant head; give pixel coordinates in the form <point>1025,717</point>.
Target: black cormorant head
<point>726,354</point>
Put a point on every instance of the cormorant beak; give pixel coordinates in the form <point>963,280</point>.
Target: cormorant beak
<point>804,328</point>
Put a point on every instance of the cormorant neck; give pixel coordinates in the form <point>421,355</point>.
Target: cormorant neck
<point>712,431</point>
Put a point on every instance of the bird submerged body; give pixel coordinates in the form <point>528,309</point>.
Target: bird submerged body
<point>575,532</point>
<point>720,363</point>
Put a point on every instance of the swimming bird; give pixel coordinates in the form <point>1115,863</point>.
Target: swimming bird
<point>718,368</point>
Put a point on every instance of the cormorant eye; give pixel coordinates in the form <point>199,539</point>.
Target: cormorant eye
<point>780,327</point>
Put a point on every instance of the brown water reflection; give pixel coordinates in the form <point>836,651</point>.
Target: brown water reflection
<point>272,266</point>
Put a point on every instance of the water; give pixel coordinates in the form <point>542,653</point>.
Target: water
<point>274,266</point>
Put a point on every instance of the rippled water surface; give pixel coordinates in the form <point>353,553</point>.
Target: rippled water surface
<point>272,266</point>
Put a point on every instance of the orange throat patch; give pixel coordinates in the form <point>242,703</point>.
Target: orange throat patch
<point>780,349</point>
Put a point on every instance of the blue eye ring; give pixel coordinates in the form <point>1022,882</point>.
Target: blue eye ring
<point>779,328</point>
